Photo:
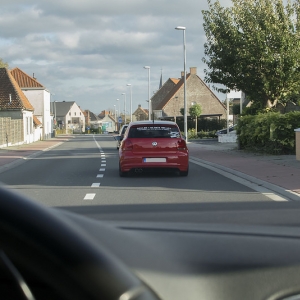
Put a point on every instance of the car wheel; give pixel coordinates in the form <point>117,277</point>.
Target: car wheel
<point>184,173</point>
<point>121,173</point>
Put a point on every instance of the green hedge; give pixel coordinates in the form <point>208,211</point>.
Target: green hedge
<point>200,134</point>
<point>271,133</point>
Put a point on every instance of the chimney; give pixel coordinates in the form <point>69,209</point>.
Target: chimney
<point>193,70</point>
<point>182,74</point>
<point>140,106</point>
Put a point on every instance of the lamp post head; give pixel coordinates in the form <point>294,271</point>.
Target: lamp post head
<point>128,84</point>
<point>180,28</point>
<point>123,93</point>
<point>146,67</point>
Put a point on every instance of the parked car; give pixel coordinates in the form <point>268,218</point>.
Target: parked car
<point>224,131</point>
<point>153,145</point>
<point>120,137</point>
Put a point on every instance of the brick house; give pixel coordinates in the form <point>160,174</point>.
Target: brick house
<point>140,114</point>
<point>91,120</point>
<point>169,99</point>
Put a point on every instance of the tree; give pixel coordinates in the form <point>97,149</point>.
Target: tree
<point>3,64</point>
<point>195,111</point>
<point>253,46</point>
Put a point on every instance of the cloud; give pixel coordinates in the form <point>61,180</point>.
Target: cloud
<point>87,51</point>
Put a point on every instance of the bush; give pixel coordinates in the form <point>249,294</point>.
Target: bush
<point>206,134</point>
<point>192,134</point>
<point>271,132</point>
<point>201,134</point>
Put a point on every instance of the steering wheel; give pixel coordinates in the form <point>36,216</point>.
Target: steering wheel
<point>42,256</point>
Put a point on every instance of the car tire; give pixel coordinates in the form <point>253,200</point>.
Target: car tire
<point>121,173</point>
<point>184,173</point>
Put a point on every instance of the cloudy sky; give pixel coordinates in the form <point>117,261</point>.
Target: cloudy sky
<point>88,51</point>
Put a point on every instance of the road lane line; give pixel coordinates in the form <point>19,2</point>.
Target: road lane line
<point>103,165</point>
<point>100,175</point>
<point>102,169</point>
<point>89,197</point>
<point>95,185</point>
<point>254,186</point>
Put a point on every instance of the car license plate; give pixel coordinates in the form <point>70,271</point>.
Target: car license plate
<point>155,159</point>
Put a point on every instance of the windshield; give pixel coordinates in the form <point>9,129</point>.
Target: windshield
<point>165,134</point>
<point>67,98</point>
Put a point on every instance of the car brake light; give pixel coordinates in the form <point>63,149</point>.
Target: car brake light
<point>181,146</point>
<point>127,145</point>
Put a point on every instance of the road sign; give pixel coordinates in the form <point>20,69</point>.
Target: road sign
<point>120,120</point>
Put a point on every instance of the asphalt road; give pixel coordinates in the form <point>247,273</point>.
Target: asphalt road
<point>83,172</point>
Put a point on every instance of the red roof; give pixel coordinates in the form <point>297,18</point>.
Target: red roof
<point>24,80</point>
<point>11,95</point>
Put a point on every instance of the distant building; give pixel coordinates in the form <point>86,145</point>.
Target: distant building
<point>140,114</point>
<point>92,121</point>
<point>108,121</point>
<point>69,116</point>
<point>169,99</point>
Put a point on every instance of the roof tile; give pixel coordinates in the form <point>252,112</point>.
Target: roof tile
<point>24,80</point>
<point>11,96</point>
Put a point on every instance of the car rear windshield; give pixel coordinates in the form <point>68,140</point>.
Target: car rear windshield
<point>154,131</point>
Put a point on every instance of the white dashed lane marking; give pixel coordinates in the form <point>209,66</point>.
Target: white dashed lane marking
<point>89,197</point>
<point>94,185</point>
<point>103,164</point>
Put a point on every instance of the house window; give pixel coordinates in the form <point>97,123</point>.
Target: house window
<point>69,113</point>
<point>75,113</point>
<point>69,122</point>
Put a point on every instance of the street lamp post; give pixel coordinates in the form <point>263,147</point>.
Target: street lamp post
<point>184,71</point>
<point>149,103</point>
<point>115,117</point>
<point>119,107</point>
<point>124,108</point>
<point>129,84</point>
<point>55,123</point>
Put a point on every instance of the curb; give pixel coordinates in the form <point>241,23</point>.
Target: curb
<point>288,194</point>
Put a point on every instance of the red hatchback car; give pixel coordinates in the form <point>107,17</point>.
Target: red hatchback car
<point>153,145</point>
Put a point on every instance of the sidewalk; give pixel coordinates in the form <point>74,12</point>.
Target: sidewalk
<point>280,174</point>
<point>13,156</point>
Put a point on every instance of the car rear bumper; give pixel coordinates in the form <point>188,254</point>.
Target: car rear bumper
<point>179,161</point>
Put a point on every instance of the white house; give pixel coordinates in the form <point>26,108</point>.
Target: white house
<point>38,96</point>
<point>69,116</point>
<point>16,113</point>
